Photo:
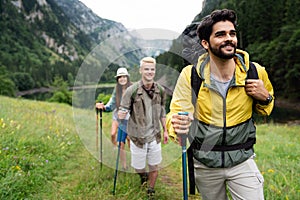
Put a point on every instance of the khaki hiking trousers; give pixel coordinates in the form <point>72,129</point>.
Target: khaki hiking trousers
<point>243,181</point>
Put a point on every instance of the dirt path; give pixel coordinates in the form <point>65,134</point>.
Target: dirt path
<point>172,177</point>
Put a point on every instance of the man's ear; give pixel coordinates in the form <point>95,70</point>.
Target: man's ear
<point>205,44</point>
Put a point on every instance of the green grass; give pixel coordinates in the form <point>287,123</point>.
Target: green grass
<point>48,152</point>
<point>278,150</point>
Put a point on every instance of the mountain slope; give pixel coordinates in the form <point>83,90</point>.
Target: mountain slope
<point>41,39</point>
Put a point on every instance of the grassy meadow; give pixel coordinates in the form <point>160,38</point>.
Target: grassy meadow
<point>47,152</point>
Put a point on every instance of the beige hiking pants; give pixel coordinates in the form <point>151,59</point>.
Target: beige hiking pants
<point>244,181</point>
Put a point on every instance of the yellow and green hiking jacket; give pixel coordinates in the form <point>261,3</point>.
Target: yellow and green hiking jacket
<point>222,127</point>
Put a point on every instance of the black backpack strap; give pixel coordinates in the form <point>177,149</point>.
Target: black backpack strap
<point>195,83</point>
<point>195,87</point>
<point>191,170</point>
<point>252,72</point>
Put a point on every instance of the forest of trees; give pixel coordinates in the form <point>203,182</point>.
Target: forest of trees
<point>25,60</point>
<point>269,31</point>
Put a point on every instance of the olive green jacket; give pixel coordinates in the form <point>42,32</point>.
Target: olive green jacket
<point>134,101</point>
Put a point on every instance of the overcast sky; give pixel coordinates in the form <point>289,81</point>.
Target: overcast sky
<point>138,14</point>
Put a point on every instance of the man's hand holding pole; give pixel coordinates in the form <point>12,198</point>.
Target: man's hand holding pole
<point>181,123</point>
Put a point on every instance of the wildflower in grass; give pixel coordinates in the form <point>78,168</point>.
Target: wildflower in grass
<point>278,192</point>
<point>272,187</point>
<point>12,123</point>
<point>271,170</point>
<point>17,168</point>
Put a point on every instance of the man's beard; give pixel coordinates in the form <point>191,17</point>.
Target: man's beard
<point>218,52</point>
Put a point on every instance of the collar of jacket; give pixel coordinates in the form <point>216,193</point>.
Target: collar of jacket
<point>140,88</point>
<point>241,59</point>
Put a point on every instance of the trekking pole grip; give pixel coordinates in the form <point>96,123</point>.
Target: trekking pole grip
<point>184,174</point>
<point>98,109</point>
<point>101,110</point>
<point>183,136</point>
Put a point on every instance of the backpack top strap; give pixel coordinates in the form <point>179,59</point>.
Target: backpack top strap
<point>195,83</point>
<point>160,89</point>
<point>252,72</point>
<point>135,85</point>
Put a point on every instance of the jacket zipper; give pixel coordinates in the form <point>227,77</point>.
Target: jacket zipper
<point>224,121</point>
<point>224,126</point>
<point>224,129</point>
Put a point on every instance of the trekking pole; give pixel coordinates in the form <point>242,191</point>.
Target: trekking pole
<point>101,137</point>
<point>184,174</point>
<point>118,156</point>
<point>97,128</point>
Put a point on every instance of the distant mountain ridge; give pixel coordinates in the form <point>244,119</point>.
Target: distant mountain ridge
<point>41,39</point>
<point>100,29</point>
<point>88,22</point>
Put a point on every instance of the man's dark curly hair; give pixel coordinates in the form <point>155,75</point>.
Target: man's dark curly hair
<point>204,29</point>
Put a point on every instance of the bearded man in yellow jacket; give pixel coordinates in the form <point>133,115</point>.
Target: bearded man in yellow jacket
<point>220,127</point>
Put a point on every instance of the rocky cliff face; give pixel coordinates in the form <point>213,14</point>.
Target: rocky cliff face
<point>100,29</point>
<point>88,22</point>
<point>68,31</point>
